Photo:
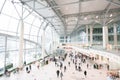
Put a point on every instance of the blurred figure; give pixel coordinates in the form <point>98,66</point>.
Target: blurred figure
<point>57,72</point>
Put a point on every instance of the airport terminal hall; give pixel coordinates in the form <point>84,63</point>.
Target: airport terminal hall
<point>59,39</point>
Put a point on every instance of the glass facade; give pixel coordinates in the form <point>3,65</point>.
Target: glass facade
<point>97,34</point>
<point>34,25</point>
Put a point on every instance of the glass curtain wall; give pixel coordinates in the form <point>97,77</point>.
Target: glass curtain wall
<point>2,53</point>
<point>48,39</point>
<point>118,32</point>
<point>96,33</point>
<point>10,16</point>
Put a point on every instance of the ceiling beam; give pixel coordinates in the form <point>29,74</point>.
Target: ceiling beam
<point>65,4</point>
<point>91,13</point>
<point>57,12</point>
<point>88,13</point>
<point>78,20</point>
<point>31,7</point>
<point>106,12</point>
<point>107,8</point>
<point>2,6</point>
<point>113,2</point>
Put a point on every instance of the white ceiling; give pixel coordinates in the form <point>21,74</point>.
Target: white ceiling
<point>68,15</point>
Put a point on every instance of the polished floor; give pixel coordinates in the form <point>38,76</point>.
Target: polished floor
<point>48,72</point>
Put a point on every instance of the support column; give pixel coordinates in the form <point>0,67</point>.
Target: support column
<point>25,50</point>
<point>52,42</point>
<point>5,53</point>
<point>36,52</point>
<point>21,44</point>
<point>87,34</point>
<point>115,35</point>
<point>64,39</point>
<point>43,44</point>
<point>105,37</point>
<point>91,35</point>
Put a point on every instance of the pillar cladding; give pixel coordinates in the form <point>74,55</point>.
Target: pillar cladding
<point>105,36</point>
<point>91,35</point>
<point>43,44</point>
<point>87,34</point>
<point>21,44</point>
<point>115,34</point>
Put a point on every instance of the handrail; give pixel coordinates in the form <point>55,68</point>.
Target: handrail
<point>111,56</point>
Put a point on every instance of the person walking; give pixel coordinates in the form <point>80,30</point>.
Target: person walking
<point>79,68</point>
<point>85,73</point>
<point>27,69</point>
<point>64,68</point>
<point>87,65</point>
<point>57,72</point>
<point>69,63</point>
<point>61,65</point>
<point>75,67</point>
<point>61,75</point>
<point>30,66</point>
<point>108,67</point>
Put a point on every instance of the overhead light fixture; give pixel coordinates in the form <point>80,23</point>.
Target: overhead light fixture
<point>111,15</point>
<point>85,18</point>
<point>96,16</point>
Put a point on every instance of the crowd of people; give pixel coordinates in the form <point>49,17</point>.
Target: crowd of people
<point>76,59</point>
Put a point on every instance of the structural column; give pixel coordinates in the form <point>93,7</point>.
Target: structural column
<point>91,35</point>
<point>25,50</point>
<point>43,44</point>
<point>36,51</point>
<point>64,39</point>
<point>115,35</point>
<point>105,36</point>
<point>87,34</point>
<point>5,53</point>
<point>52,42</point>
<point>21,45</point>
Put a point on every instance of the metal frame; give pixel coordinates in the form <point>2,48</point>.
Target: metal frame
<point>5,54</point>
<point>77,24</point>
<point>102,20</point>
<point>58,13</point>
<point>56,6</point>
<point>2,6</point>
<point>113,2</point>
<point>23,3</point>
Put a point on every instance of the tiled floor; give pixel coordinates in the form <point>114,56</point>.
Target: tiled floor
<point>48,72</point>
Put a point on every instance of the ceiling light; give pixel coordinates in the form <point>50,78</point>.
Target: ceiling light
<point>111,15</point>
<point>96,16</point>
<point>85,18</point>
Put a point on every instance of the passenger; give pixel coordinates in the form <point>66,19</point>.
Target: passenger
<point>38,66</point>
<point>64,68</point>
<point>61,75</point>
<point>79,68</point>
<point>69,63</point>
<point>61,65</point>
<point>57,72</point>
<point>85,73</point>
<point>30,66</point>
<point>108,67</point>
<point>26,69</point>
<point>87,65</point>
<point>75,67</point>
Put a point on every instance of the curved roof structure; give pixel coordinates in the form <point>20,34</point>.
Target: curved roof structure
<point>32,29</point>
<point>68,15</point>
